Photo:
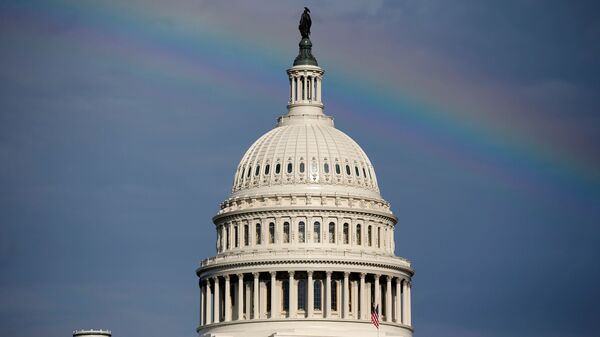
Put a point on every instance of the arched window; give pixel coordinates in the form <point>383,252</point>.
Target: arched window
<point>277,168</point>
<point>317,232</point>
<point>296,87</point>
<point>331,232</point>
<point>227,236</point>
<point>289,168</point>
<point>326,168</point>
<point>267,169</point>
<point>246,235</point>
<point>369,236</point>
<point>257,170</point>
<point>356,171</point>
<point>258,236</point>
<point>301,167</point>
<point>317,295</point>
<point>301,232</point>
<point>309,93</point>
<point>364,173</point>
<point>302,294</point>
<point>378,237</point>
<point>348,169</point>
<point>346,233</point>
<point>271,233</point>
<point>358,235</point>
<point>337,169</point>
<point>249,171</point>
<point>302,82</point>
<point>286,232</point>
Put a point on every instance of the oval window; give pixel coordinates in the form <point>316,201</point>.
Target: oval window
<point>267,169</point>
<point>257,170</point>
<point>277,168</point>
<point>289,168</point>
<point>301,167</point>
<point>356,170</point>
<point>337,168</point>
<point>326,168</point>
<point>347,169</point>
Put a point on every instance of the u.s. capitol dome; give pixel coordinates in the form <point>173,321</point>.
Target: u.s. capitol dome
<point>305,242</point>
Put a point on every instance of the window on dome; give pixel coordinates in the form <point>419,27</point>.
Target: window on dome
<point>369,236</point>
<point>257,170</point>
<point>296,87</point>
<point>346,233</point>
<point>302,294</point>
<point>243,173</point>
<point>334,297</point>
<point>285,295</point>
<point>235,237</point>
<point>258,236</point>
<point>246,235</point>
<point>267,169</point>
<point>271,233</point>
<point>277,168</point>
<point>378,237</point>
<point>326,168</point>
<point>317,232</point>
<point>337,169</point>
<point>348,169</point>
<point>364,173</point>
<point>356,171</point>
<point>303,87</point>
<point>309,92</point>
<point>358,235</point>
<point>249,171</point>
<point>301,167</point>
<point>286,232</point>
<point>227,236</point>
<point>301,232</point>
<point>289,168</point>
<point>331,232</point>
<point>317,294</point>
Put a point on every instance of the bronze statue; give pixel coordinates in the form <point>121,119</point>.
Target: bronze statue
<point>305,23</point>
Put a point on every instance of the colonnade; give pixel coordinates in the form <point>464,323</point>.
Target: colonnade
<point>305,88</point>
<point>304,294</point>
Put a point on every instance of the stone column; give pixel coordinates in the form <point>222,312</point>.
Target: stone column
<point>202,300</point>
<point>274,306</point>
<point>377,294</point>
<point>388,299</point>
<point>346,298</point>
<point>404,304</point>
<point>255,293</point>
<point>227,299</point>
<point>217,310</point>
<point>362,308</point>
<point>319,89</point>
<point>409,306</point>
<point>240,297</point>
<point>398,318</point>
<point>327,309</point>
<point>310,303</point>
<point>207,303</point>
<point>293,303</point>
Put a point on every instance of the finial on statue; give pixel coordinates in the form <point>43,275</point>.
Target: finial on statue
<point>305,56</point>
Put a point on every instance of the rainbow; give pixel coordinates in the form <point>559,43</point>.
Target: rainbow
<point>187,51</point>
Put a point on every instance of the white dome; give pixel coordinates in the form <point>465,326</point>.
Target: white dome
<point>305,156</point>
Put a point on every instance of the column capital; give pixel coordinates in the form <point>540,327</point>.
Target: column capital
<point>388,278</point>
<point>215,278</point>
<point>256,274</point>
<point>362,276</point>
<point>273,273</point>
<point>310,273</point>
<point>240,275</point>
<point>346,274</point>
<point>377,276</point>
<point>291,273</point>
<point>226,277</point>
<point>328,273</point>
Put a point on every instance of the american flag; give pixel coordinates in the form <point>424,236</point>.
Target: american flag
<point>375,316</point>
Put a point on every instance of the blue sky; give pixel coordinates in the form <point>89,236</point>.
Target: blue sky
<point>122,122</point>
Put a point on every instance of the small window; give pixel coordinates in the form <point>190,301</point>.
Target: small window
<point>243,172</point>
<point>301,294</point>
<point>301,167</point>
<point>286,232</point>
<point>289,168</point>
<point>285,295</point>
<point>370,236</point>
<point>334,297</point>
<point>257,170</point>
<point>271,233</point>
<point>364,173</point>
<point>227,236</point>
<point>358,235</point>
<point>301,232</point>
<point>348,169</point>
<point>249,171</point>
<point>277,168</point>
<point>331,232</point>
<point>337,169</point>
<point>346,233</point>
<point>317,232</point>
<point>356,171</point>
<point>258,232</point>
<point>326,168</point>
<point>378,237</point>
<point>267,169</point>
<point>246,235</point>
